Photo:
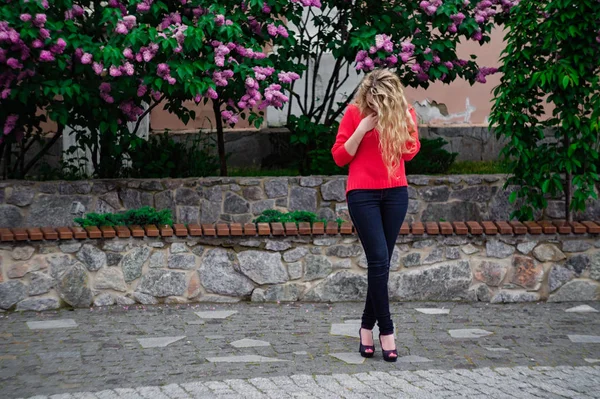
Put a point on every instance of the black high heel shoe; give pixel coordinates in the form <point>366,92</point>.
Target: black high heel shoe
<point>363,348</point>
<point>387,354</point>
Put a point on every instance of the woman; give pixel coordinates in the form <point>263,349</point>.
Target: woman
<point>377,134</point>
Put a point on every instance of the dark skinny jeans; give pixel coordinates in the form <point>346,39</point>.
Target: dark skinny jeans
<point>377,216</point>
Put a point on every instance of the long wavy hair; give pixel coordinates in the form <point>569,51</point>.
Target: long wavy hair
<point>381,92</point>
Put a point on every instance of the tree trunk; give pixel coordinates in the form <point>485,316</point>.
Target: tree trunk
<point>220,138</point>
<point>7,158</point>
<point>568,183</point>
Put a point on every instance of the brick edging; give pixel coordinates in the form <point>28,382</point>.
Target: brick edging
<point>293,229</point>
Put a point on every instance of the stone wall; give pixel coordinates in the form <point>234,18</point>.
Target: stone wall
<point>240,200</point>
<point>50,274</point>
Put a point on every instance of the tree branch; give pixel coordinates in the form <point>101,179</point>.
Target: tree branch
<point>146,112</point>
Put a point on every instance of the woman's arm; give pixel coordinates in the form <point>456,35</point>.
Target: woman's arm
<point>350,135</point>
<point>413,150</point>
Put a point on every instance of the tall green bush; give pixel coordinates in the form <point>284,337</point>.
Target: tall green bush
<point>547,106</point>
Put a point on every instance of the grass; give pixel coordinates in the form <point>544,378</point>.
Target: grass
<point>477,168</point>
<point>257,172</point>
<point>457,168</point>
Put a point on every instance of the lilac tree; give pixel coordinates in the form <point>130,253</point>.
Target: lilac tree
<point>94,66</point>
<point>417,38</point>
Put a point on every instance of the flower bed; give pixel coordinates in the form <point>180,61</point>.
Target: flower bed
<point>46,268</point>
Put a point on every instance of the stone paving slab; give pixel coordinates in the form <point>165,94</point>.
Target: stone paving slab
<point>50,324</point>
<point>103,353</point>
<point>517,382</point>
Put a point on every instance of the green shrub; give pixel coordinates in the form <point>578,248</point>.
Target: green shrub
<point>431,159</point>
<point>274,216</point>
<point>161,156</point>
<point>313,142</point>
<point>141,217</point>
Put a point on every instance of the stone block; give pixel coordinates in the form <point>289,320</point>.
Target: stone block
<point>334,190</point>
<point>276,188</point>
<point>11,292</point>
<point>317,266</point>
<point>235,205</point>
<point>338,287</point>
<point>578,291</point>
<point>303,199</point>
<point>218,275</point>
<point>446,281</point>
<point>548,253</point>
<point>262,267</point>
<point>162,283</point>
<point>21,196</point>
<point>490,272</point>
<point>435,193</point>
<point>527,273</point>
<point>38,304</point>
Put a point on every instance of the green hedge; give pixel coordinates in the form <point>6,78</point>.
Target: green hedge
<point>274,216</point>
<point>141,217</point>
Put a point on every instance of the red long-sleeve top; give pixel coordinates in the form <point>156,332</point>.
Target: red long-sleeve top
<point>367,169</point>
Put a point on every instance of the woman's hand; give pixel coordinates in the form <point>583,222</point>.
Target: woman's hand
<point>367,124</point>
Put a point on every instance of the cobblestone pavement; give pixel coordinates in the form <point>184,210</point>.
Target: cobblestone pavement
<point>301,350</point>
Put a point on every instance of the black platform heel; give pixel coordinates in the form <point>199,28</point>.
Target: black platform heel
<point>387,354</point>
<point>363,348</point>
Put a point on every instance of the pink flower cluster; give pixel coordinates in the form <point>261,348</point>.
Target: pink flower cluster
<point>457,20</point>
<point>146,54</point>
<point>117,4</point>
<point>277,30</point>
<point>59,47</point>
<point>252,96</point>
<point>11,122</point>
<point>261,73</point>
<point>126,69</point>
<point>212,94</point>
<point>384,43</point>
<point>172,19</point>
<point>220,78</point>
<point>220,20</point>
<point>123,27</point>
<point>221,51</point>
<point>273,97</point>
<point>287,77</point>
<point>483,72</point>
<point>75,12</point>
<point>249,53</point>
<point>309,3</point>
<point>229,117</point>
<point>131,111</point>
<point>142,90</point>
<point>484,11</point>
<point>178,33</point>
<point>105,90</point>
<point>144,6</point>
<point>164,71</point>
<point>430,7</point>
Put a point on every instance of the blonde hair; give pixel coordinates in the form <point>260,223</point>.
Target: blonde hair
<point>381,92</point>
